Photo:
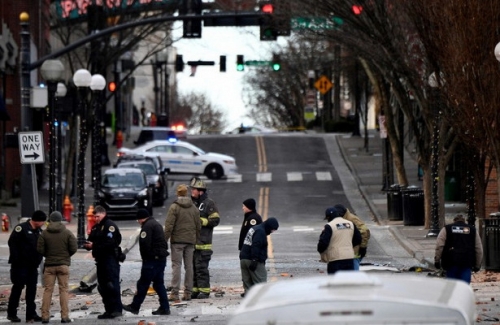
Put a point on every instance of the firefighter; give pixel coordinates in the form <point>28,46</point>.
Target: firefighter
<point>210,218</point>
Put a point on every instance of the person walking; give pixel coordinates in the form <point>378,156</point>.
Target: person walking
<point>209,216</point>
<point>253,254</point>
<point>359,250</point>
<point>337,241</point>
<point>24,260</point>
<point>154,251</point>
<point>182,228</point>
<point>459,250</point>
<point>251,218</point>
<point>57,244</point>
<point>104,242</point>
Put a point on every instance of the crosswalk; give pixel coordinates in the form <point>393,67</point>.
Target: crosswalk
<point>227,230</point>
<point>324,176</point>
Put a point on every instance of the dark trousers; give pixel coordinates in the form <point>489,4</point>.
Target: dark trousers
<point>201,279</point>
<point>108,284</point>
<point>345,265</point>
<point>20,277</point>
<point>151,271</point>
<point>459,273</point>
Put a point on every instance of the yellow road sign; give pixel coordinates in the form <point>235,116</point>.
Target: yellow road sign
<point>323,84</point>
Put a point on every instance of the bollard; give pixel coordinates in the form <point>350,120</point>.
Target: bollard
<point>90,219</point>
<point>67,209</point>
<point>5,222</point>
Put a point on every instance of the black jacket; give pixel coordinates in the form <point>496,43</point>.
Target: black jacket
<point>106,238</point>
<point>22,246</point>
<point>152,243</point>
<point>255,243</point>
<point>251,219</point>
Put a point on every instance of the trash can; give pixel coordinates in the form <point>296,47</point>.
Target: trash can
<point>413,206</point>
<point>394,202</point>
<point>491,241</point>
<point>451,187</point>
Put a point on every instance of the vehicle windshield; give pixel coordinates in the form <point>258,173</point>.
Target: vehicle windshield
<point>123,180</point>
<point>147,169</point>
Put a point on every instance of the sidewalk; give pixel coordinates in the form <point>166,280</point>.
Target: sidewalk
<point>366,167</point>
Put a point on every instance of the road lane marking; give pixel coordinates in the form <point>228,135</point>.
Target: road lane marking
<point>264,177</point>
<point>323,176</point>
<point>261,154</point>
<point>294,177</point>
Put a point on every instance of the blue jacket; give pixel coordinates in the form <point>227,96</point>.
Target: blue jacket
<point>255,243</point>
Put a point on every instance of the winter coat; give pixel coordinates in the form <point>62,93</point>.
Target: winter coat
<point>251,219</point>
<point>363,229</point>
<point>106,239</point>
<point>152,243</point>
<point>57,244</point>
<point>337,240</point>
<point>255,243</point>
<point>209,216</point>
<point>183,222</point>
<point>22,246</point>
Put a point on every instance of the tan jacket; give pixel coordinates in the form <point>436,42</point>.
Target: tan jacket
<point>340,247</point>
<point>363,229</point>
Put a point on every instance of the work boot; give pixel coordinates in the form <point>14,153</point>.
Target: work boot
<point>203,295</point>
<point>194,295</point>
<point>14,318</point>
<point>161,311</point>
<point>131,309</point>
<point>174,296</point>
<point>186,296</point>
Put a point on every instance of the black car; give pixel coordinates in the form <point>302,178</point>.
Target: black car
<point>124,191</point>
<point>155,178</point>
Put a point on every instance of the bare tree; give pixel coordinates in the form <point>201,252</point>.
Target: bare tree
<point>200,115</point>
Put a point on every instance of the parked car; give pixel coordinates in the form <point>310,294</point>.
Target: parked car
<point>155,176</point>
<point>148,134</point>
<point>255,129</point>
<point>184,158</point>
<point>124,191</point>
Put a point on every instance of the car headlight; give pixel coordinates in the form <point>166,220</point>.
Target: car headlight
<point>143,192</point>
<point>229,162</point>
<point>101,194</point>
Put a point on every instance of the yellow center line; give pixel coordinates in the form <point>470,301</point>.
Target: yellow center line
<point>261,154</point>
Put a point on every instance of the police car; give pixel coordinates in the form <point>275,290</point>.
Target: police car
<point>181,157</point>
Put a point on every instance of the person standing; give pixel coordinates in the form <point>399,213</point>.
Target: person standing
<point>458,250</point>
<point>251,218</point>
<point>104,241</point>
<point>182,228</point>
<point>336,242</point>
<point>359,250</point>
<point>57,244</point>
<point>154,251</point>
<point>253,254</point>
<point>209,216</point>
<point>24,260</point>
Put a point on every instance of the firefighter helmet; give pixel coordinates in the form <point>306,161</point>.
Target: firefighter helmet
<point>197,184</point>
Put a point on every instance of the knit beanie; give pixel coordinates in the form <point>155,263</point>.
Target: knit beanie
<point>39,215</point>
<point>55,216</point>
<point>250,204</point>
<point>341,209</point>
<point>142,214</point>
<point>182,190</point>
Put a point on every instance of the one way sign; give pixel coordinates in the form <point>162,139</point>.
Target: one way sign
<point>31,147</point>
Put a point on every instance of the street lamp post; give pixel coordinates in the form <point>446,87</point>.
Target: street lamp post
<point>97,84</point>
<point>82,80</point>
<point>435,83</point>
<point>61,92</point>
<point>52,71</point>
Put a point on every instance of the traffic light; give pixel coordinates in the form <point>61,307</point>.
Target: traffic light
<point>112,86</point>
<point>191,28</point>
<point>357,9</point>
<point>179,63</point>
<point>267,25</point>
<point>222,63</point>
<point>240,64</point>
<point>276,63</point>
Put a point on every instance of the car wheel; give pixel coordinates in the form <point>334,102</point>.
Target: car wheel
<point>214,171</point>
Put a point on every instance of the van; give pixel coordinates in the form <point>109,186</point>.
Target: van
<point>356,297</point>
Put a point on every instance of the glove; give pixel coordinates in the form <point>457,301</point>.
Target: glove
<point>476,269</point>
<point>253,266</point>
<point>437,265</point>
<point>362,252</point>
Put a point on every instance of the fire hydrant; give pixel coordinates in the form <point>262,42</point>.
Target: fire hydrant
<point>5,222</point>
<point>90,219</point>
<point>119,139</point>
<point>67,209</point>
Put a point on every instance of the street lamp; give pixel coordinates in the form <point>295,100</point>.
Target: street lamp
<point>434,82</point>
<point>52,71</point>
<point>61,92</point>
<point>97,84</point>
<point>82,79</point>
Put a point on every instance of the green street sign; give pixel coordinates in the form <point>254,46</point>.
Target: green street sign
<point>257,63</point>
<point>315,23</point>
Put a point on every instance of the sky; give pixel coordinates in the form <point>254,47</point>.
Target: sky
<point>224,89</point>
